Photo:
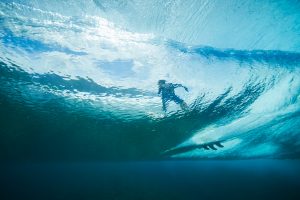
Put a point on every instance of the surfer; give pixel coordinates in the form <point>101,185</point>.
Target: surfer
<point>168,94</point>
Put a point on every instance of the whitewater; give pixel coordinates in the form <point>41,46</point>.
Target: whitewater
<point>79,79</point>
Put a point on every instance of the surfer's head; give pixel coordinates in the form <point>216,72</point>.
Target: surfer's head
<point>161,82</point>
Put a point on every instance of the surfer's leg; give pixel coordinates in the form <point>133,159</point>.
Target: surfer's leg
<point>184,106</point>
<point>164,105</point>
<point>179,101</point>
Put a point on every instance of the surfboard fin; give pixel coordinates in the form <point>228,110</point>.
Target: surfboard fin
<point>219,144</point>
<point>205,147</point>
<point>211,146</point>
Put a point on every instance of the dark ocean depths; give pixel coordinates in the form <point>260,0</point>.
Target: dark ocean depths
<point>80,117</point>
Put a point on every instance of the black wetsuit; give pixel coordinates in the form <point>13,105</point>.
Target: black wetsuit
<point>168,94</point>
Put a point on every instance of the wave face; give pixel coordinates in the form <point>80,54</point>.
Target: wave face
<point>78,80</point>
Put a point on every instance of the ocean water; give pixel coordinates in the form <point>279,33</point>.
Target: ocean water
<point>251,179</point>
<point>78,90</point>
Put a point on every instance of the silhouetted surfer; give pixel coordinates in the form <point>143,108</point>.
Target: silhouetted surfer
<point>168,94</point>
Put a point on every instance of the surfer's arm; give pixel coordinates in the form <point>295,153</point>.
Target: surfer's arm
<point>177,85</point>
<point>159,91</point>
<point>180,85</point>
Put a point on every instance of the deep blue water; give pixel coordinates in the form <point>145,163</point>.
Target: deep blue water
<point>251,179</point>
